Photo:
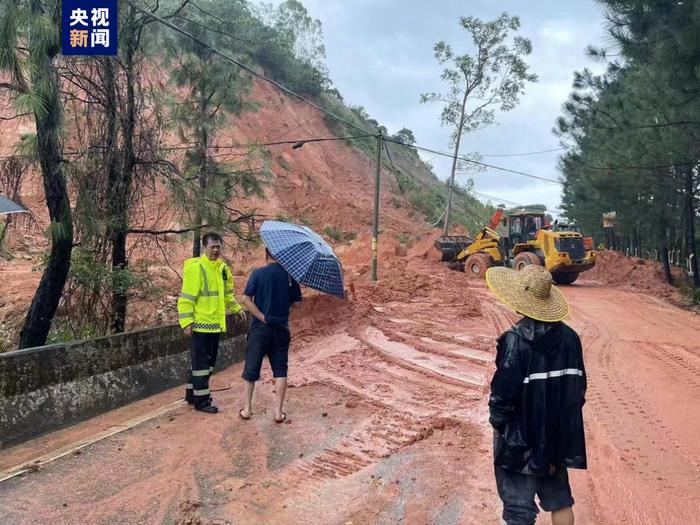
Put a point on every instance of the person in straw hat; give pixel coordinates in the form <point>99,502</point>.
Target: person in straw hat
<point>537,395</point>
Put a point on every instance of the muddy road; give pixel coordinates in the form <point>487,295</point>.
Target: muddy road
<point>388,422</point>
<point>643,424</point>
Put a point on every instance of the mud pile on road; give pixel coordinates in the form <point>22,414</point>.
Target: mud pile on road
<point>403,280</point>
<point>616,269</point>
<point>425,248</point>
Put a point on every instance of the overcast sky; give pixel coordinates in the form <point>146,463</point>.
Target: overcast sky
<point>380,56</point>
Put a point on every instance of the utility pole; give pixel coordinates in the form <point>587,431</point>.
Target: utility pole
<point>375,224</point>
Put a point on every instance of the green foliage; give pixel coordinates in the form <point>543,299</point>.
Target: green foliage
<point>62,331</point>
<point>495,76</point>
<point>368,145</point>
<point>214,88</point>
<point>29,43</point>
<point>430,199</point>
<point>288,44</point>
<point>86,300</point>
<point>333,233</point>
<point>214,85</point>
<point>405,238</point>
<point>405,136</point>
<point>300,33</point>
<point>634,132</point>
<point>88,275</point>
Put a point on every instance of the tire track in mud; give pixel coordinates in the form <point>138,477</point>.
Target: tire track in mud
<point>591,339</point>
<point>384,434</point>
<point>632,444</point>
<point>683,362</point>
<point>406,409</point>
<point>674,361</point>
<point>612,448</point>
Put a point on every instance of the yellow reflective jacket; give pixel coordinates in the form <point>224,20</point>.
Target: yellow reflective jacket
<point>207,292</point>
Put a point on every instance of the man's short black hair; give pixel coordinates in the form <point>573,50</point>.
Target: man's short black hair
<point>211,236</point>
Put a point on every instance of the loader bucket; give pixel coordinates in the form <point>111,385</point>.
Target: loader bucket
<point>451,245</point>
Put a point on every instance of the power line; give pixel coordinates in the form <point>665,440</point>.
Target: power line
<point>525,154</point>
<point>243,66</point>
<point>493,197</point>
<point>471,161</point>
<point>506,201</point>
<point>264,144</point>
<point>180,147</point>
<point>306,121</point>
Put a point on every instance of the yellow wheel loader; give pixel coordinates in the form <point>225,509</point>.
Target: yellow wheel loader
<point>524,238</point>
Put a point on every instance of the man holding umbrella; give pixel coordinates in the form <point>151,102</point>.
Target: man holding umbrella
<point>294,254</point>
<point>269,294</point>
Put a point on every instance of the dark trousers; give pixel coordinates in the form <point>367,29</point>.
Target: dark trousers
<point>204,349</point>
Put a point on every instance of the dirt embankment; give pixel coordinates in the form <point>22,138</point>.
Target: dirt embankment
<point>617,269</point>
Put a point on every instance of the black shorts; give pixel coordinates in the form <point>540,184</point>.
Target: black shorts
<point>518,491</point>
<point>270,341</point>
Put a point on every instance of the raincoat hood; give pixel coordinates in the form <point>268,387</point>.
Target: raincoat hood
<point>539,332</point>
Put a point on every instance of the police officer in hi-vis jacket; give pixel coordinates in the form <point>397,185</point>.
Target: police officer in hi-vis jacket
<point>207,292</point>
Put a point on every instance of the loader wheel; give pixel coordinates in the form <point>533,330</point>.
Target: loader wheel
<point>565,278</point>
<point>525,259</point>
<point>477,265</point>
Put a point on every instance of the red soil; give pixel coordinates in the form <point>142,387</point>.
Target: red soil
<point>617,269</point>
<point>388,421</point>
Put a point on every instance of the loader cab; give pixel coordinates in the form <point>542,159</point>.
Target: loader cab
<point>523,227</point>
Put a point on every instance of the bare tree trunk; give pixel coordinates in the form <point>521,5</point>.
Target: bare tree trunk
<point>197,238</point>
<point>48,294</point>
<point>664,251</point>
<point>689,213</point>
<point>203,167</point>
<point>121,189</point>
<point>458,139</point>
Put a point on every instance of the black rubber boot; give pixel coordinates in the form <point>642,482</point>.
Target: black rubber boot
<point>209,409</point>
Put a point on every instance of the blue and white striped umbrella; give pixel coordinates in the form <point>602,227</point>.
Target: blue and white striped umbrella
<point>305,255</point>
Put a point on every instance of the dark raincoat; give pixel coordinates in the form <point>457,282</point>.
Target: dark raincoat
<point>537,394</point>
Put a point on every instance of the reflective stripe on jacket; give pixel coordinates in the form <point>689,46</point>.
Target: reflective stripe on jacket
<point>207,292</point>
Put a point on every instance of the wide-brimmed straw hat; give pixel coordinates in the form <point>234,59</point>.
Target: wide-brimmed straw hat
<point>529,292</point>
